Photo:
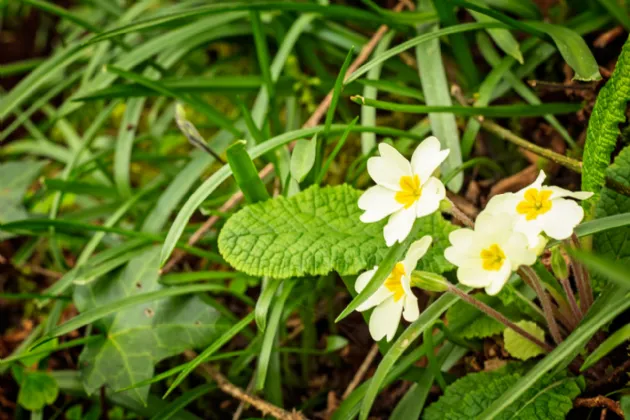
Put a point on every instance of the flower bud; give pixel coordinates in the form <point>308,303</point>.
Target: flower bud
<point>559,264</point>
<point>429,281</point>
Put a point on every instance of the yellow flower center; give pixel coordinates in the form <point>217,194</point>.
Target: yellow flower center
<point>492,258</point>
<point>534,203</point>
<point>410,190</point>
<point>394,281</point>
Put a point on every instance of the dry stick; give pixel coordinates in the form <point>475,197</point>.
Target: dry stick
<point>599,401</point>
<point>531,278</point>
<point>242,404</point>
<point>358,377</point>
<point>229,388</point>
<point>498,316</point>
<point>312,122</point>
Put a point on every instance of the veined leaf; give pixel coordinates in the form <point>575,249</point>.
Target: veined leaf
<point>520,347</point>
<point>603,126</point>
<point>549,399</point>
<point>315,232</point>
<point>139,336</point>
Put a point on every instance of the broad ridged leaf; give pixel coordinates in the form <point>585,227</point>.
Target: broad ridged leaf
<point>603,126</point>
<point>470,322</point>
<point>549,399</point>
<point>315,232</point>
<point>518,346</point>
<point>614,244</point>
<point>138,338</point>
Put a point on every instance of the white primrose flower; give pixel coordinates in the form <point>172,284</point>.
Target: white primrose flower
<point>537,209</point>
<point>405,190</point>
<point>487,256</point>
<point>394,296</point>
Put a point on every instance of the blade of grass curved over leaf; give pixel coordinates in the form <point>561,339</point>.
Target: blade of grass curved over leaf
<point>262,304</point>
<point>425,320</point>
<point>245,173</point>
<point>610,304</point>
<point>201,358</point>
<point>616,339</point>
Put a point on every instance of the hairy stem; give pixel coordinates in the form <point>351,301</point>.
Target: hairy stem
<point>566,285</point>
<point>531,278</point>
<point>582,279</point>
<point>498,316</point>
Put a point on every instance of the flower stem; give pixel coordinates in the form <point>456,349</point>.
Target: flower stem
<point>460,215</point>
<point>582,279</point>
<point>498,316</point>
<point>531,278</point>
<point>566,285</point>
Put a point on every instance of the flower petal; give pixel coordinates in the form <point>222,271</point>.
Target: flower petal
<point>460,251</point>
<point>378,203</point>
<point>411,311</point>
<point>399,225</point>
<point>433,192</point>
<point>498,279</point>
<point>415,252</point>
<point>564,216</point>
<point>385,319</point>
<point>472,274</point>
<point>427,158</point>
<point>536,184</point>
<point>517,249</point>
<point>387,169</point>
<point>379,296</point>
<point>558,192</point>
<point>503,203</point>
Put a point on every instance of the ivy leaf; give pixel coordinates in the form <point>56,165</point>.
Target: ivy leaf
<point>15,178</point>
<point>520,347</point>
<point>138,338</point>
<point>315,232</point>
<point>603,126</point>
<point>551,398</point>
<point>614,244</point>
<point>37,389</point>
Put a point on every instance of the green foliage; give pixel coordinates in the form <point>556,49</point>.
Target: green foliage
<point>614,244</point>
<point>37,389</point>
<point>603,126</point>
<point>15,178</point>
<point>518,346</point>
<point>315,232</point>
<point>139,337</point>
<point>303,158</point>
<point>549,399</point>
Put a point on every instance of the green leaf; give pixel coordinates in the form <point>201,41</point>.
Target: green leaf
<point>470,322</point>
<point>619,337</point>
<point>41,352</point>
<point>502,37</point>
<point>549,399</point>
<point>186,398</point>
<point>137,337</point>
<point>610,304</point>
<point>303,158</point>
<point>617,12</point>
<point>436,92</point>
<point>315,232</point>
<point>245,173</point>
<point>603,126</point>
<point>37,390</point>
<point>614,244</point>
<point>520,347</point>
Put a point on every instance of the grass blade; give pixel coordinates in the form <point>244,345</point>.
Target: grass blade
<point>614,271</point>
<point>183,400</point>
<point>337,92</point>
<point>616,339</point>
<point>245,173</point>
<point>124,145</point>
<point>201,358</point>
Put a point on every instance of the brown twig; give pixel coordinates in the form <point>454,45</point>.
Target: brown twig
<point>229,388</point>
<point>358,376</point>
<point>311,122</point>
<point>599,401</point>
